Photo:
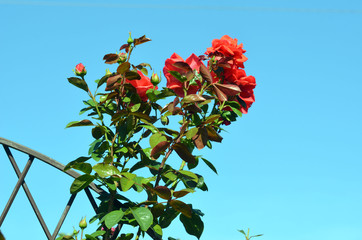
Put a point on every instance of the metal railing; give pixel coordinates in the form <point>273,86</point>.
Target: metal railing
<point>33,155</point>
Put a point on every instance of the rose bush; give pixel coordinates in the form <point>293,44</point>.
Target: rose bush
<point>133,140</point>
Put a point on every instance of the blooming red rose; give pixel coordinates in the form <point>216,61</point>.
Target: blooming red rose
<point>245,83</point>
<point>141,85</point>
<point>230,49</point>
<point>80,70</point>
<point>172,82</point>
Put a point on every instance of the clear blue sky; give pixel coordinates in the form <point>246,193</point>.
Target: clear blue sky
<point>290,168</point>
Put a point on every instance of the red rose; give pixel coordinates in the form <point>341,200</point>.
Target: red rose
<point>230,49</point>
<point>141,85</point>
<point>80,70</point>
<point>245,83</point>
<point>172,82</point>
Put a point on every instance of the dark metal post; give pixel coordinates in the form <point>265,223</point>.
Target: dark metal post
<point>16,189</point>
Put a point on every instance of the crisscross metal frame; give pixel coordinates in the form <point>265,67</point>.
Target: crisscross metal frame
<point>8,145</point>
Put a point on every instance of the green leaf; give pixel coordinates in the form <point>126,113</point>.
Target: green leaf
<point>194,225</point>
<point>98,132</point>
<point>79,123</point>
<point>127,236</point>
<point>157,228</point>
<point>126,184</point>
<point>103,80</point>
<point>135,107</point>
<point>84,167</point>
<point>105,170</point>
<point>80,183</point>
<point>143,216</point>
<point>181,207</point>
<point>78,160</point>
<point>156,139</point>
<point>167,217</point>
<point>144,71</point>
<point>191,133</point>
<point>210,165</point>
<point>158,210</point>
<point>98,233</point>
<point>113,218</point>
<point>141,116</point>
<point>237,111</point>
<point>178,76</point>
<point>78,82</point>
<point>90,237</point>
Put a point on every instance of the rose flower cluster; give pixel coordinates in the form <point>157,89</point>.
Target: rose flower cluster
<point>225,61</point>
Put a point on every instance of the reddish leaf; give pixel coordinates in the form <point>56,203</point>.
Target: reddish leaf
<point>220,95</point>
<point>181,207</point>
<point>205,74</point>
<point>189,76</point>
<point>79,123</point>
<point>111,82</point>
<point>200,139</point>
<point>228,89</point>
<point>211,118</point>
<point>182,65</point>
<point>143,39</point>
<point>160,147</point>
<point>123,47</point>
<point>183,152</point>
<point>162,192</point>
<point>213,135</point>
<point>130,75</point>
<point>124,67</point>
<point>183,127</point>
<point>181,193</point>
<point>111,58</point>
<point>193,98</point>
<point>193,108</point>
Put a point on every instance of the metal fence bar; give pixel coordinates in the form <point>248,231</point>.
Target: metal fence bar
<point>28,194</point>
<point>91,199</point>
<point>16,189</point>
<point>62,218</point>
<point>7,144</point>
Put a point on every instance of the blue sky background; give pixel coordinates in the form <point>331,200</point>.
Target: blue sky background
<point>290,168</point>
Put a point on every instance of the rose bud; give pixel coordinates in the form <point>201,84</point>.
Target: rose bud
<point>155,80</point>
<point>122,58</point>
<point>130,40</point>
<point>108,72</point>
<point>80,70</point>
<point>83,223</point>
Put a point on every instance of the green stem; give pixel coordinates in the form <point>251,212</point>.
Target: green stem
<point>96,105</point>
<point>138,233</point>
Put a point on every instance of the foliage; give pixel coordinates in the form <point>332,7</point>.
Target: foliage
<point>247,235</point>
<point>132,133</point>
